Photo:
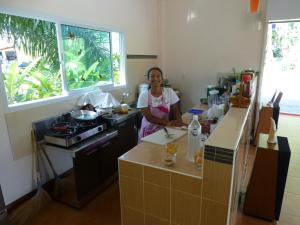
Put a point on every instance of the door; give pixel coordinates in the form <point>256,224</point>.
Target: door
<point>87,171</point>
<point>128,136</point>
<point>282,65</point>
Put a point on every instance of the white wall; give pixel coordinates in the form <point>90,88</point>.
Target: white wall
<point>203,38</point>
<point>283,10</point>
<point>136,18</point>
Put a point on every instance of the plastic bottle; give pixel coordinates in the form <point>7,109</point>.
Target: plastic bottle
<point>213,98</point>
<point>194,138</point>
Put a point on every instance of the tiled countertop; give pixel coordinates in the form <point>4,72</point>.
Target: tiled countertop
<point>226,136</point>
<point>152,154</point>
<point>228,132</point>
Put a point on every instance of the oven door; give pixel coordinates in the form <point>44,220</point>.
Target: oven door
<point>95,164</point>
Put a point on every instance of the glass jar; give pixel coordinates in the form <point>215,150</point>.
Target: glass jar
<point>213,98</point>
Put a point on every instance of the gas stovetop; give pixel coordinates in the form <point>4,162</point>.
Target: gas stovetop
<point>65,131</point>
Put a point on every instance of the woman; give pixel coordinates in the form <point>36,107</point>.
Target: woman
<point>156,105</point>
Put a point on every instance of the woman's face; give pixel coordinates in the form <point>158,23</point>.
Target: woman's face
<point>155,78</point>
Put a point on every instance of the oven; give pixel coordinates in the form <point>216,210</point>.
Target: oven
<point>93,167</point>
<point>83,153</point>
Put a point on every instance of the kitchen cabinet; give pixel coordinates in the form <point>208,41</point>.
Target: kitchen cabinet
<point>87,171</point>
<point>127,135</point>
<point>94,162</point>
<point>94,166</point>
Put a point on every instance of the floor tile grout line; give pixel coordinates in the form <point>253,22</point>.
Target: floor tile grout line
<point>289,215</point>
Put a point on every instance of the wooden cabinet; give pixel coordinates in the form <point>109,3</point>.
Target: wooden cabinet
<point>96,165</point>
<point>268,178</point>
<point>127,135</point>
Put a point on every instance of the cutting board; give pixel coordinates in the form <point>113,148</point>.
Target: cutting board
<point>159,137</point>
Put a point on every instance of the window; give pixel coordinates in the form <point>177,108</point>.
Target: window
<point>30,65</point>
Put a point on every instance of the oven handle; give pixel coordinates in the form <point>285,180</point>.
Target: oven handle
<point>105,144</point>
<point>91,152</point>
<point>102,142</point>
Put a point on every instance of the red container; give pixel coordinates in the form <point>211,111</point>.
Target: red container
<point>247,90</point>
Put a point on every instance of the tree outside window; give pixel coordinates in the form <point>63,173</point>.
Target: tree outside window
<point>29,58</point>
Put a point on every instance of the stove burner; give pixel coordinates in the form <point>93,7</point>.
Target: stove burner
<point>87,124</point>
<point>63,129</point>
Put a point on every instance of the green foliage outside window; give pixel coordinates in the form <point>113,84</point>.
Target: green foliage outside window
<point>36,39</point>
<point>87,56</point>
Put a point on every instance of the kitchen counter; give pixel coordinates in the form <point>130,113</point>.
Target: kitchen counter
<point>151,155</point>
<point>152,193</point>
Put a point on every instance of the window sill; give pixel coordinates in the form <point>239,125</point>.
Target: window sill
<point>58,99</point>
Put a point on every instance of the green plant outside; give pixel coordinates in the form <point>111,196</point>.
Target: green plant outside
<point>34,82</point>
<point>87,59</point>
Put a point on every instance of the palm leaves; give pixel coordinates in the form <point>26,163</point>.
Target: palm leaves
<point>36,81</point>
<point>87,55</point>
<point>34,37</point>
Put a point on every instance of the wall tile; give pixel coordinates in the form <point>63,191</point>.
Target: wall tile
<point>131,192</point>
<point>132,217</point>
<point>157,201</point>
<point>185,208</point>
<point>213,213</point>
<point>130,169</point>
<point>150,220</point>
<point>216,181</point>
<point>187,184</point>
<point>157,176</point>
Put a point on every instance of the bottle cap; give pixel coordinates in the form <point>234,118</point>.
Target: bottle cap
<point>213,92</point>
<point>195,117</point>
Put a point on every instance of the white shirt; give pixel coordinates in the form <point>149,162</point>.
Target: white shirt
<point>168,94</point>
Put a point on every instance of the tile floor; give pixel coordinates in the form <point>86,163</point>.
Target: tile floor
<point>105,209</point>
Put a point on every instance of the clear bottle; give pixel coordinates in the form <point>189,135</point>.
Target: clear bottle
<point>213,98</point>
<point>194,138</point>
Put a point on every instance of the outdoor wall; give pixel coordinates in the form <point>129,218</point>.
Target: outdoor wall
<point>138,20</point>
<point>203,38</point>
<point>283,10</point>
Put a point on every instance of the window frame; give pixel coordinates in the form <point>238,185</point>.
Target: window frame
<point>66,93</point>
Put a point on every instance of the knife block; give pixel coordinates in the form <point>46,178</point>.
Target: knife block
<point>264,120</point>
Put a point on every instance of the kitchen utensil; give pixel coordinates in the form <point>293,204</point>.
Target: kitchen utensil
<point>89,107</point>
<point>278,99</point>
<point>168,135</point>
<point>159,136</point>
<point>84,115</point>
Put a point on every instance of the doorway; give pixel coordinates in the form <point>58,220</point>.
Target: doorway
<point>282,65</point>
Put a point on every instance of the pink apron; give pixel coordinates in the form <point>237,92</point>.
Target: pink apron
<point>161,111</point>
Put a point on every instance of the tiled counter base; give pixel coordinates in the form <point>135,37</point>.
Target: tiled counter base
<point>153,196</point>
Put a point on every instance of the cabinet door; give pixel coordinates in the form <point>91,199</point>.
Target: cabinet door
<point>128,136</point>
<point>87,171</point>
<point>108,159</point>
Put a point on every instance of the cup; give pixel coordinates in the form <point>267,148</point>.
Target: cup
<point>198,158</point>
<point>169,157</point>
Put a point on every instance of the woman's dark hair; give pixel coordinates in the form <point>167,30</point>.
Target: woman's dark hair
<point>155,68</point>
